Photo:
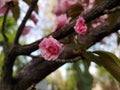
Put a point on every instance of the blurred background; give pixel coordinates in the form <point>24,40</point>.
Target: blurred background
<point>71,76</point>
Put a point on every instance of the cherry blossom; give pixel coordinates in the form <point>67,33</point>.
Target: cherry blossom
<point>2,6</point>
<point>80,26</point>
<point>2,2</point>
<point>50,48</point>
<point>2,11</point>
<point>26,30</point>
<point>61,21</point>
<point>63,5</point>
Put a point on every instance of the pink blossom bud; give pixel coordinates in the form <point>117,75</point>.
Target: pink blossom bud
<point>50,48</point>
<point>58,10</point>
<point>2,2</point>
<point>91,1</point>
<point>2,11</point>
<point>71,2</point>
<point>33,18</point>
<point>2,6</point>
<point>63,5</point>
<point>67,3</point>
<point>26,30</point>
<point>80,26</point>
<point>61,21</point>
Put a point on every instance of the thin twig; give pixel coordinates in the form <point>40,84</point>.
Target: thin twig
<point>3,24</point>
<point>3,30</point>
<point>9,5</point>
<point>112,10</point>
<point>20,29</point>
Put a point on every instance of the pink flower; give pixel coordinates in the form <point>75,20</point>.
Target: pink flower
<point>2,2</point>
<point>2,11</point>
<point>26,30</point>
<point>50,48</point>
<point>88,5</point>
<point>69,3</point>
<point>2,6</point>
<point>63,5</point>
<point>91,3</point>
<point>80,26</point>
<point>58,10</point>
<point>61,21</point>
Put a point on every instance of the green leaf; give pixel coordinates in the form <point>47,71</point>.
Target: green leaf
<point>110,56</point>
<point>1,61</point>
<point>15,11</point>
<point>108,64</point>
<point>113,17</point>
<point>1,21</point>
<point>75,10</point>
<point>1,37</point>
<point>92,57</point>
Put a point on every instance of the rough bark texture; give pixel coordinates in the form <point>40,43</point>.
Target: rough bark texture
<point>38,69</point>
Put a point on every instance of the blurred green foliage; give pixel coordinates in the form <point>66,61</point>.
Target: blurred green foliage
<point>10,31</point>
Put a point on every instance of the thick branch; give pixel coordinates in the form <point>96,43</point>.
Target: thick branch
<point>68,29</point>
<point>112,10</point>
<point>97,34</point>
<point>37,70</point>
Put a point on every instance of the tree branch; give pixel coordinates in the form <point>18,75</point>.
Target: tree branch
<point>10,56</point>
<point>20,29</point>
<point>68,29</point>
<point>37,70</point>
<point>41,69</point>
<point>5,46</point>
<point>112,10</point>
